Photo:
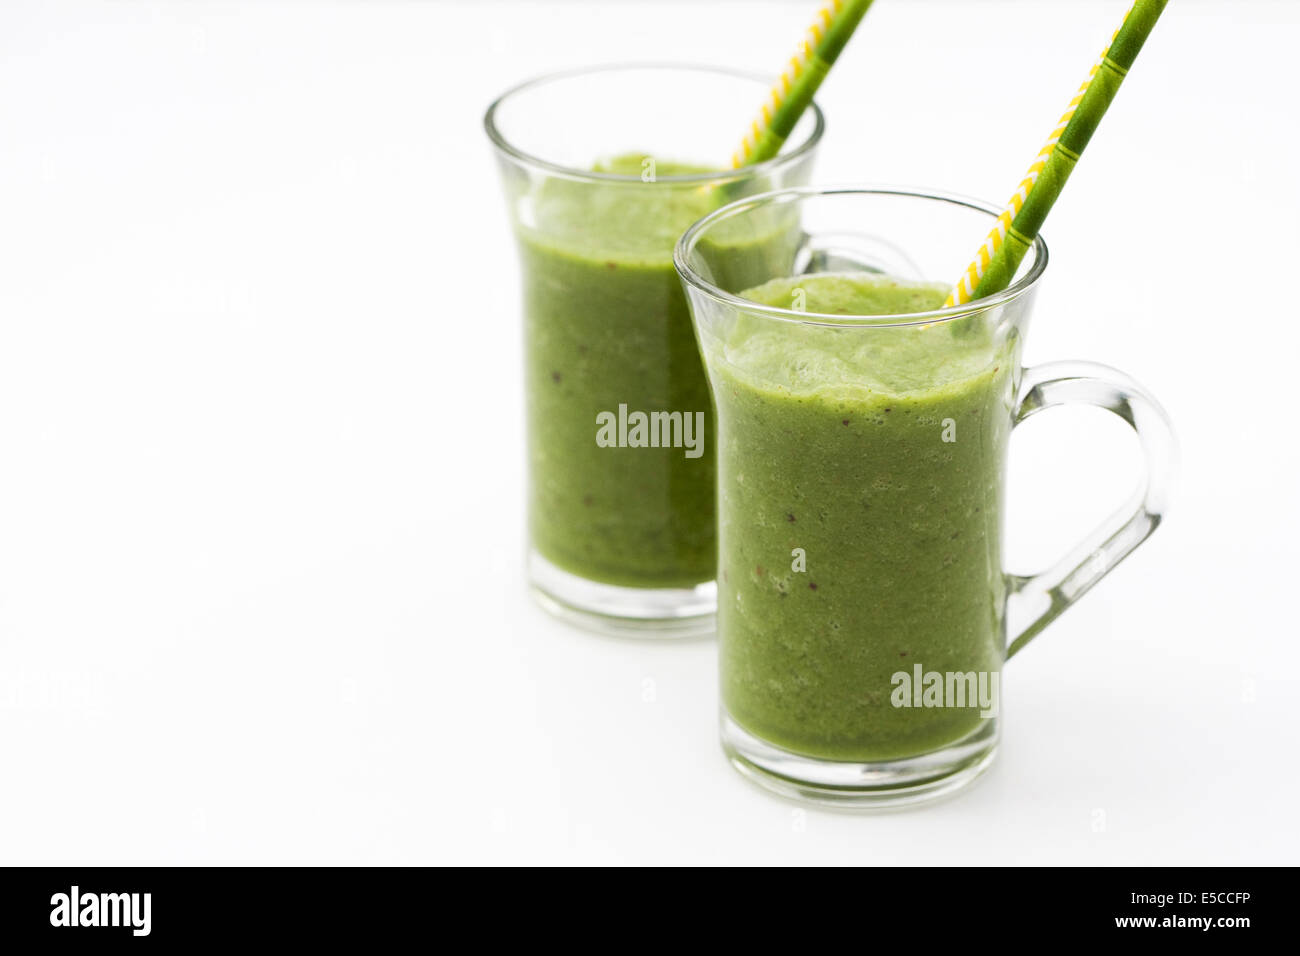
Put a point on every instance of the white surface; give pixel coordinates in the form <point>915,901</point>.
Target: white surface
<point>260,443</point>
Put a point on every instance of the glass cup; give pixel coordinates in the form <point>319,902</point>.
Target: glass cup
<point>603,169</point>
<point>863,611</point>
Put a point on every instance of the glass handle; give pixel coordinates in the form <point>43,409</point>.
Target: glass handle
<point>1036,600</point>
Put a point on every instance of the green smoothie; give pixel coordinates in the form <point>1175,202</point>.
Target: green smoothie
<point>607,328</point>
<point>878,452</point>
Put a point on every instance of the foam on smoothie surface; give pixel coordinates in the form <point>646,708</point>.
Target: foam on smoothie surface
<point>811,359</point>
<point>624,218</point>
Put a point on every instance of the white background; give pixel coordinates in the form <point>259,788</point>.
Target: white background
<point>261,504</point>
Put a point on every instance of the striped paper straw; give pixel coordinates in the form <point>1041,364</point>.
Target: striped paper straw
<point>794,90</point>
<point>996,262</point>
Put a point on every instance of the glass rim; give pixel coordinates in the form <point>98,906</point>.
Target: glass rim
<point>686,244</point>
<point>504,145</point>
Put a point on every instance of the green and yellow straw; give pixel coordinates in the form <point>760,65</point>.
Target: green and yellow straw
<point>998,258</point>
<point>794,90</point>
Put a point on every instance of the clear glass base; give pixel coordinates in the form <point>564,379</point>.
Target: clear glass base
<point>860,786</point>
<point>623,612</point>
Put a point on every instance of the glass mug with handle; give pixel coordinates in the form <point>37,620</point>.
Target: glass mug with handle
<point>863,611</point>
<point>603,169</point>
